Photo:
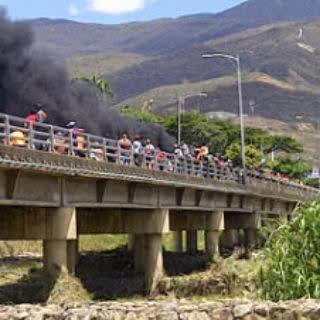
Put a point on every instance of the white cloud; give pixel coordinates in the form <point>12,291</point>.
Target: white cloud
<point>117,7</point>
<point>73,10</point>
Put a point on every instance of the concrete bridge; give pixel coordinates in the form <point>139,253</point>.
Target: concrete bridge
<point>55,198</point>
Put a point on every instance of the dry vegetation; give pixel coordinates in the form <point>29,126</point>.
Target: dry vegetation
<point>306,133</point>
<point>102,63</point>
<point>105,271</point>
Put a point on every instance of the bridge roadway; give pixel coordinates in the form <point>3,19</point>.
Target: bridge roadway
<point>56,198</point>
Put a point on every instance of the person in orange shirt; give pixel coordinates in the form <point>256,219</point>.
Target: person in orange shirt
<point>203,152</point>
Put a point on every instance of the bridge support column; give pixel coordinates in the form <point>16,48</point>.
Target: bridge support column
<point>177,241</point>
<point>153,261</point>
<point>229,238</point>
<point>131,242</point>
<point>59,255</point>
<point>214,228</point>
<point>250,240</point>
<point>192,241</point>
<point>60,247</point>
<point>284,217</point>
<point>139,253</point>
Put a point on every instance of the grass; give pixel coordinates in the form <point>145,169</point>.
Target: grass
<point>105,272</point>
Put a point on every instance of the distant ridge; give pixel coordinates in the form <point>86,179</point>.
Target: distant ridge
<point>277,39</point>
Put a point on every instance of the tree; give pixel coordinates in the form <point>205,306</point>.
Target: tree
<point>294,169</point>
<point>253,157</point>
<point>141,115</point>
<point>223,137</point>
<point>102,85</point>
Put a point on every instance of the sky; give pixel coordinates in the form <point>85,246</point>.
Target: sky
<point>112,11</point>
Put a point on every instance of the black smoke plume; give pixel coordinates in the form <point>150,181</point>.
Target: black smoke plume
<point>28,77</point>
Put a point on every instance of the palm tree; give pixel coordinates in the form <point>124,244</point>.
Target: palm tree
<point>102,85</point>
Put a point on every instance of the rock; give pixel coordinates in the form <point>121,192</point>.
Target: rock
<point>221,314</point>
<point>172,310</point>
<point>262,310</point>
<point>167,316</point>
<point>239,311</point>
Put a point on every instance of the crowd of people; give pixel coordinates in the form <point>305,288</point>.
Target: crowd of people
<point>139,151</point>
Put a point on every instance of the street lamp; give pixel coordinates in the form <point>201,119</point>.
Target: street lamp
<point>236,59</point>
<point>181,103</point>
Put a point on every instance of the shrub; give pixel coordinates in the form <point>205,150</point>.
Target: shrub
<point>292,270</point>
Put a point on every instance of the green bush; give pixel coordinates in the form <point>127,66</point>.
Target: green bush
<point>292,268</point>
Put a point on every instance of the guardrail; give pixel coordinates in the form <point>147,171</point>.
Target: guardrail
<point>19,132</point>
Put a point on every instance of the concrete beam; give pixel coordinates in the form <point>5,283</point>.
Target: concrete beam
<point>61,224</point>
<point>187,220</point>
<point>241,220</point>
<point>144,221</point>
<point>17,185</point>
<point>252,203</point>
<point>215,221</point>
<point>20,223</point>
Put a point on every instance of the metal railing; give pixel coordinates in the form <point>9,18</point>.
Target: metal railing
<point>19,132</point>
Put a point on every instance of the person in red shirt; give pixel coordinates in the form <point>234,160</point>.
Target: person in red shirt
<point>160,158</point>
<point>33,116</point>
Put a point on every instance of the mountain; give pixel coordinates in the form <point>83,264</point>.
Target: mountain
<point>167,35</point>
<point>276,39</point>
<point>269,11</point>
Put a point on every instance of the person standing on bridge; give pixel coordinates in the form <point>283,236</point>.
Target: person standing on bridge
<point>125,149</point>
<point>137,150</point>
<point>78,139</point>
<point>33,115</point>
<point>149,151</point>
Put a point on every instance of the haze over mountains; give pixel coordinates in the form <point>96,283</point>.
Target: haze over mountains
<point>278,41</point>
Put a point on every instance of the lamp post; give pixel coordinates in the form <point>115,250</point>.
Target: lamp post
<point>181,103</point>
<point>235,59</point>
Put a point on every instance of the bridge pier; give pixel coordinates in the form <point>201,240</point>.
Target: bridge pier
<point>139,253</point>
<point>249,222</point>
<point>131,239</point>
<point>214,228</point>
<point>192,241</point>
<point>154,261</point>
<point>177,241</point>
<point>59,255</point>
<point>144,226</point>
<point>60,247</point>
<point>230,238</point>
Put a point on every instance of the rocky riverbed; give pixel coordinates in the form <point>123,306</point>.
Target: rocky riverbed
<point>173,310</point>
